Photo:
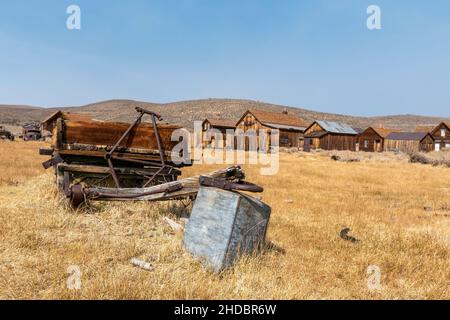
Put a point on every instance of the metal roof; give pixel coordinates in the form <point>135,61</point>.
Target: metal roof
<point>285,127</point>
<point>222,123</point>
<point>383,132</point>
<point>316,134</point>
<point>416,136</point>
<point>288,119</point>
<point>358,130</point>
<point>336,127</point>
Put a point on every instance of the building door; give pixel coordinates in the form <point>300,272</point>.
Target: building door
<point>437,146</point>
<point>307,145</point>
<point>378,146</point>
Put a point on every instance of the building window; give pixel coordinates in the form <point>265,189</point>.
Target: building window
<point>366,143</point>
<point>284,140</point>
<point>443,132</point>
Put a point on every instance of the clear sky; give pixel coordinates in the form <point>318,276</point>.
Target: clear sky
<point>314,54</point>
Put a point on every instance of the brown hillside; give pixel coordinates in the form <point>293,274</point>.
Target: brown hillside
<point>185,112</point>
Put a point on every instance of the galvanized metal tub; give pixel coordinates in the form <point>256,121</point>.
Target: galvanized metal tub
<point>225,224</point>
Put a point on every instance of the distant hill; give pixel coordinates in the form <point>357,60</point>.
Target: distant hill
<point>185,112</point>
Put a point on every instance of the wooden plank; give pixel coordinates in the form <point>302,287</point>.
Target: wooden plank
<point>190,188</point>
<point>108,133</point>
<point>122,155</point>
<point>119,170</point>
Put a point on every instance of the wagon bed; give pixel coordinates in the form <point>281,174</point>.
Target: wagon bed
<point>99,153</point>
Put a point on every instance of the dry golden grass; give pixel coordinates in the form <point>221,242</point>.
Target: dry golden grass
<point>19,161</point>
<point>312,199</point>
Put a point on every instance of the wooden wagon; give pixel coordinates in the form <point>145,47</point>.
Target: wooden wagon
<point>5,134</point>
<point>110,154</point>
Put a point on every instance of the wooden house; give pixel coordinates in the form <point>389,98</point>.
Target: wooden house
<point>291,127</point>
<point>441,136</point>
<point>219,124</point>
<point>409,142</point>
<point>328,135</point>
<point>372,139</point>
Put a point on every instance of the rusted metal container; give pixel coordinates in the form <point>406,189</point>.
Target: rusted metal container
<point>225,224</point>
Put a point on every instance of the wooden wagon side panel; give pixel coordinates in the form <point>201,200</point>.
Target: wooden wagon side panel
<point>98,133</point>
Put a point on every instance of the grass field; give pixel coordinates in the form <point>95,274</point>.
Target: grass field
<point>381,199</point>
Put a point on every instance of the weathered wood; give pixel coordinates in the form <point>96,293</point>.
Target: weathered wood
<point>190,187</point>
<point>290,127</point>
<point>94,133</point>
<point>139,153</point>
<point>120,155</point>
<point>441,136</point>
<point>317,137</point>
<point>223,225</point>
<point>119,170</point>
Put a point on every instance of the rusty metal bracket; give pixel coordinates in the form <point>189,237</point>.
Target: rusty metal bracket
<point>109,155</point>
<point>52,162</point>
<point>46,151</point>
<point>228,185</point>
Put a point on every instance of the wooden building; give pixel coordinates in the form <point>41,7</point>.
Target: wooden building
<point>372,139</point>
<point>219,124</point>
<point>328,135</point>
<point>409,142</point>
<point>441,136</point>
<point>31,131</point>
<point>291,127</point>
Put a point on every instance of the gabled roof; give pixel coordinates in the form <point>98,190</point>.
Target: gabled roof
<point>316,134</point>
<point>358,130</point>
<point>221,123</point>
<point>413,136</point>
<point>446,123</point>
<point>284,127</point>
<point>272,119</point>
<point>383,132</point>
<point>425,128</point>
<point>336,127</point>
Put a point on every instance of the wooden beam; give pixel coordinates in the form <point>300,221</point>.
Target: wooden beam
<point>190,187</point>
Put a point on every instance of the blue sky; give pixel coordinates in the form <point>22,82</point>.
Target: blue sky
<point>313,54</point>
